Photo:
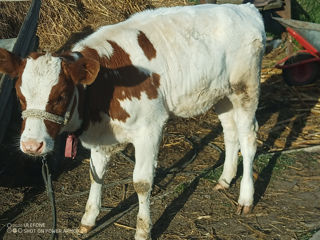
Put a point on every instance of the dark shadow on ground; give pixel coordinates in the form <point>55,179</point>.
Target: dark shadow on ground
<point>123,207</point>
<point>275,98</point>
<point>177,204</point>
<point>30,196</point>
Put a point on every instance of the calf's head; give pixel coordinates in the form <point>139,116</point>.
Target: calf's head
<point>46,86</point>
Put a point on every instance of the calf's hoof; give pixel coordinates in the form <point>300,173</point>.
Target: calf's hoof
<point>143,230</point>
<point>83,229</point>
<point>141,235</point>
<point>243,210</point>
<point>220,186</point>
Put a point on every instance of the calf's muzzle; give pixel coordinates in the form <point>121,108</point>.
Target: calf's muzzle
<point>32,147</point>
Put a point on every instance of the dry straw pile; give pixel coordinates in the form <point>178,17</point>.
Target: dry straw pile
<point>61,19</point>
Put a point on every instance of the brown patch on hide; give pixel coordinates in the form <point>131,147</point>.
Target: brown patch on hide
<point>117,112</point>
<point>58,102</point>
<point>141,187</point>
<point>141,83</point>
<point>21,97</point>
<point>82,71</point>
<point>9,62</point>
<point>117,80</point>
<point>90,53</point>
<point>119,57</point>
<point>128,82</point>
<point>146,46</point>
<point>35,55</point>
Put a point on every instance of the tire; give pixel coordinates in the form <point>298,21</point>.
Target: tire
<point>301,74</point>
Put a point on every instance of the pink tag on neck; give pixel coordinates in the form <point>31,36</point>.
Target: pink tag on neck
<point>71,146</point>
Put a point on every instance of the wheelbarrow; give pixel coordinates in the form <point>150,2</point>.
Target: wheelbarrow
<point>303,67</point>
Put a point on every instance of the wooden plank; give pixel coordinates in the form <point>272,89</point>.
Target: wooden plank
<point>26,42</point>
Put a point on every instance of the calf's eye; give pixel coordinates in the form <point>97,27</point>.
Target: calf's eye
<point>60,98</point>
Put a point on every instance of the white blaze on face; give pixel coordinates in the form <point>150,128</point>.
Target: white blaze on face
<point>38,78</point>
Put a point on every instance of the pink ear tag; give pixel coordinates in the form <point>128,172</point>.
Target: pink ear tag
<point>71,146</point>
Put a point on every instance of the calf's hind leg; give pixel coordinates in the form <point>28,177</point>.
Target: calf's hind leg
<point>224,109</point>
<point>245,104</point>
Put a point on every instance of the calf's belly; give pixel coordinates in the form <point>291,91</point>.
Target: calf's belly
<point>196,103</point>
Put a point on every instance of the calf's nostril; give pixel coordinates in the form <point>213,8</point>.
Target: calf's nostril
<point>40,147</point>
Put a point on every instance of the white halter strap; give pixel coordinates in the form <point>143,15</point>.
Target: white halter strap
<point>41,114</point>
<point>37,113</point>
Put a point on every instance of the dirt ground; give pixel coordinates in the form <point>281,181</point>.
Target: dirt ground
<point>183,204</point>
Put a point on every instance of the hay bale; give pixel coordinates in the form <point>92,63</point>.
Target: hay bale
<point>59,19</point>
<point>12,15</point>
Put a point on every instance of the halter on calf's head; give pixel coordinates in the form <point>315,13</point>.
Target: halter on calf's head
<point>46,88</point>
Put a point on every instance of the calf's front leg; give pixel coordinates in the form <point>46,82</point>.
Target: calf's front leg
<point>146,151</point>
<point>98,164</point>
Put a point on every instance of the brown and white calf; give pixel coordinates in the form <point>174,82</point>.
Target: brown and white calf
<point>121,84</point>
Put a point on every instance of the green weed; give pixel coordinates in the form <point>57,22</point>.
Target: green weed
<point>214,174</point>
<point>181,188</point>
<point>306,235</point>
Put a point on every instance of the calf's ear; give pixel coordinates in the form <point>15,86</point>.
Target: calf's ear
<point>9,63</point>
<point>82,71</point>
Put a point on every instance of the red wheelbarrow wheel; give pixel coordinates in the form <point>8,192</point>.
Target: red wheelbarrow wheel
<point>297,73</point>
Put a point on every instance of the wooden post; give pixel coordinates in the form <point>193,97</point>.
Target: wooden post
<point>286,11</point>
